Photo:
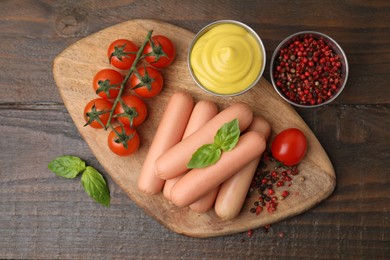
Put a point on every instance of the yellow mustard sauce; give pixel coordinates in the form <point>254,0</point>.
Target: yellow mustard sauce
<point>227,59</point>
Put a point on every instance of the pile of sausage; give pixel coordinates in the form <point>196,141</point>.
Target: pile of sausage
<point>186,126</point>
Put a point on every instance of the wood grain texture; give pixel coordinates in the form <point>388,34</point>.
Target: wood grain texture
<point>45,217</point>
<point>73,71</point>
<point>36,26</point>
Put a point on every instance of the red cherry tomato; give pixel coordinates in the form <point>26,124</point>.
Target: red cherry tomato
<point>289,146</point>
<point>131,111</point>
<point>121,54</point>
<point>97,112</point>
<point>106,83</point>
<point>161,53</point>
<point>149,84</point>
<point>123,141</point>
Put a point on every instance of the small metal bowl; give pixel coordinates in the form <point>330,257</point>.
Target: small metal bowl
<point>209,27</point>
<point>317,36</point>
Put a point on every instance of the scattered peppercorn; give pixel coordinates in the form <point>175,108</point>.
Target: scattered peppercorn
<point>267,228</point>
<point>259,209</point>
<point>267,184</point>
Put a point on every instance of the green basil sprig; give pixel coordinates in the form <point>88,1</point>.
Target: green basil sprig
<point>225,140</point>
<point>92,181</point>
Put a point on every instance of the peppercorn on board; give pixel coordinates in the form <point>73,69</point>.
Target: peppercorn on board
<point>73,71</point>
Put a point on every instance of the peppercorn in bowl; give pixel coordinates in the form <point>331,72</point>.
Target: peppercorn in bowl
<point>309,69</point>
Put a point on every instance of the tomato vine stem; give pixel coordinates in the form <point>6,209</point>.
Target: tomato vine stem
<point>133,68</point>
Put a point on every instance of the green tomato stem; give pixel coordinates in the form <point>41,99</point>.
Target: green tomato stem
<point>132,69</point>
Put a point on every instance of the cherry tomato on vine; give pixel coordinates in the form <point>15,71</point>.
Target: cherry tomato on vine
<point>121,53</point>
<point>148,83</point>
<point>123,140</point>
<point>131,111</point>
<point>289,146</point>
<point>106,83</point>
<point>160,51</point>
<point>97,112</point>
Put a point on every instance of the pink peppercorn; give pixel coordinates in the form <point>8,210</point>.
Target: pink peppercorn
<point>310,62</point>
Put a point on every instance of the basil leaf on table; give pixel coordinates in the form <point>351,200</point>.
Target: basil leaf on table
<point>228,135</point>
<point>67,166</point>
<point>93,182</point>
<point>95,186</point>
<point>206,155</point>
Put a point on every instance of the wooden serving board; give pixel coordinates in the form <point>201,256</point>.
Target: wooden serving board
<point>73,71</point>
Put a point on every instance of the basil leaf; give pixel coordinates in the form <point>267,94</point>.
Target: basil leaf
<point>95,186</point>
<point>206,155</point>
<point>228,135</point>
<point>67,166</point>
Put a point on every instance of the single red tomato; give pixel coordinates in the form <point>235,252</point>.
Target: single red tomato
<point>160,51</point>
<point>148,83</point>
<point>97,112</point>
<point>106,83</point>
<point>289,146</point>
<point>131,111</point>
<point>123,140</point>
<point>121,54</point>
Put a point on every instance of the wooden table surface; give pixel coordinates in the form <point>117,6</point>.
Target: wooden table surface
<point>44,216</point>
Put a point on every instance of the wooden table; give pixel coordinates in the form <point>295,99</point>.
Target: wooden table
<point>44,216</point>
